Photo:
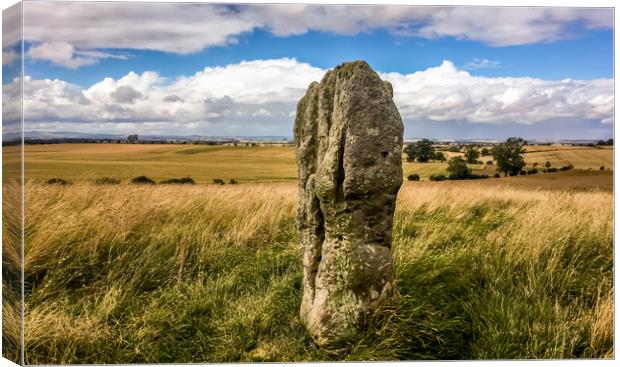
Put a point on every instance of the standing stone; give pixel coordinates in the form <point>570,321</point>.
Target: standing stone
<point>349,137</point>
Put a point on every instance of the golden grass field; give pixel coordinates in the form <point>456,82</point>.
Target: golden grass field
<point>125,161</point>
<point>485,269</point>
<point>203,163</point>
<point>580,157</point>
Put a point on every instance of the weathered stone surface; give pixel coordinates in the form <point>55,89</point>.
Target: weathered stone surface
<point>349,136</point>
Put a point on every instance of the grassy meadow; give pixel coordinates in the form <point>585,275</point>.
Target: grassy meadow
<point>79,162</point>
<point>485,269</point>
<point>87,162</point>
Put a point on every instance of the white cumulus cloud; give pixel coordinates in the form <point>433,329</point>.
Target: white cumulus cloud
<point>258,97</point>
<point>187,28</point>
<point>64,54</point>
<point>508,26</point>
<point>446,93</point>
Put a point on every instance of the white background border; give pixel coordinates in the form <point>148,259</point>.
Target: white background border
<point>522,3</point>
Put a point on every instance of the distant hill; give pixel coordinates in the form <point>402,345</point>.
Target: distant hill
<point>42,136</point>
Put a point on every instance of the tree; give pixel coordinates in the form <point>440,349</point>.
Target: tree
<point>439,156</point>
<point>484,151</point>
<point>547,164</point>
<point>132,138</point>
<point>509,156</point>
<point>471,154</point>
<point>457,169</point>
<point>410,151</point>
<point>422,151</point>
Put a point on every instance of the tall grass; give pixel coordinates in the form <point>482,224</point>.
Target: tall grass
<point>11,269</point>
<point>128,274</point>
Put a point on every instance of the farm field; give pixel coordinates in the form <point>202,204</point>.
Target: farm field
<point>125,161</point>
<point>508,268</point>
<point>579,180</point>
<point>579,157</point>
<point>87,162</point>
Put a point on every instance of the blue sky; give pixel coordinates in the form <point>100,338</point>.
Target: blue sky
<point>217,70</point>
<point>587,56</point>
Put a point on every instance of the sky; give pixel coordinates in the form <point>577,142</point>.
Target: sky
<point>239,70</point>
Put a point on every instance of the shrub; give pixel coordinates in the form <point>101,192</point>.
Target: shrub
<point>552,169</point>
<point>107,181</point>
<point>438,178</point>
<point>142,180</point>
<point>497,175</point>
<point>179,181</point>
<point>532,171</point>
<point>413,177</point>
<point>547,164</point>
<point>602,168</point>
<point>457,168</point>
<point>522,172</point>
<point>489,162</point>
<point>535,164</point>
<point>218,181</point>
<point>232,181</point>
<point>57,181</point>
<point>566,168</point>
<point>474,176</point>
<point>439,156</point>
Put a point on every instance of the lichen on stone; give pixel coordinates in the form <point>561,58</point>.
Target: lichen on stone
<point>348,137</point>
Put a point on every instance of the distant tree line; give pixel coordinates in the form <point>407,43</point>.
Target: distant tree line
<point>605,142</point>
<point>121,141</point>
<point>423,151</point>
<point>508,157</point>
<point>600,143</point>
